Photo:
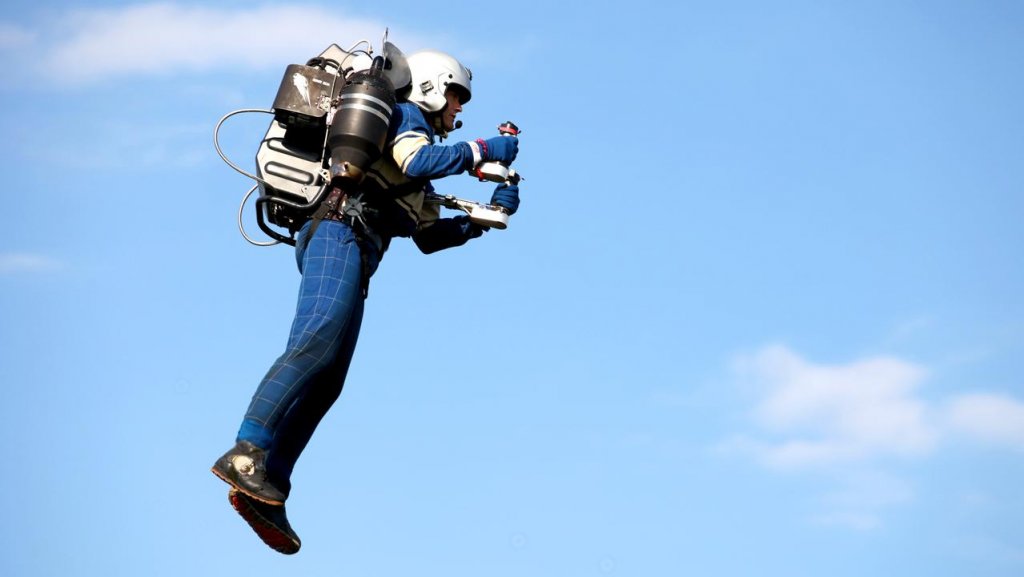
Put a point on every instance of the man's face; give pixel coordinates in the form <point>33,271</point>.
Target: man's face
<point>454,107</point>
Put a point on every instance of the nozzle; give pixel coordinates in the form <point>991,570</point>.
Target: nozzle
<point>346,173</point>
<point>377,66</point>
<point>509,128</point>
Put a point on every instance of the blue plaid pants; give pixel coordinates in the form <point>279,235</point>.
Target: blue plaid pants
<point>302,385</point>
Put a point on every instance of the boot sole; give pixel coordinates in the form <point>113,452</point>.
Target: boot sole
<point>267,532</point>
<point>240,489</point>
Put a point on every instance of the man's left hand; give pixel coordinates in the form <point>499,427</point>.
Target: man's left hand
<point>507,197</point>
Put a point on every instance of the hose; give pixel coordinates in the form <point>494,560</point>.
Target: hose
<point>241,227</point>
<point>245,199</point>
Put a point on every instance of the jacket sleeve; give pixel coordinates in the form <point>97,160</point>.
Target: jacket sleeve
<point>414,151</point>
<point>446,233</point>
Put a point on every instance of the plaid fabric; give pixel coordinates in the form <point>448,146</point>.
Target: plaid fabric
<point>304,382</point>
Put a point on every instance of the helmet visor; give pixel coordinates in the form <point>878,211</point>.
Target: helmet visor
<point>460,91</point>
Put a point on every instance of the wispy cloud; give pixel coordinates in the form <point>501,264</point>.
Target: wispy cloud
<point>990,550</point>
<point>908,329</point>
<point>811,414</point>
<point>854,421</point>
<point>860,500</point>
<point>12,36</point>
<point>990,418</point>
<point>17,263</point>
<point>136,145</point>
<point>161,37</point>
<point>158,38</point>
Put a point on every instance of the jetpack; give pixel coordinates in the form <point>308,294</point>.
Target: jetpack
<point>331,118</point>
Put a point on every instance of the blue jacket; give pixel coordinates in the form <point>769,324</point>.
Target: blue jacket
<point>397,183</point>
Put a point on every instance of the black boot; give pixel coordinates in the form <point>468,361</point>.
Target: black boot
<point>244,468</point>
<point>269,522</point>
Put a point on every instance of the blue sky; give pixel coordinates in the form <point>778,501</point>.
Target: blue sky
<point>759,313</point>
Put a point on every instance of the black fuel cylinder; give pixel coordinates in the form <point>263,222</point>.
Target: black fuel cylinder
<point>359,130</point>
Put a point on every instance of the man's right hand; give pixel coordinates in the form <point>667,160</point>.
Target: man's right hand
<point>500,148</point>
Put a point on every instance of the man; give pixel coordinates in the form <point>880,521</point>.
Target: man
<point>336,256</point>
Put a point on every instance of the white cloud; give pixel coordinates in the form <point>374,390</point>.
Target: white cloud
<point>853,420</point>
<point>861,498</point>
<point>989,418</point>
<point>909,329</point>
<point>859,521</point>
<point>141,145</point>
<point>15,263</point>
<point>820,414</point>
<point>90,44</point>
<point>989,550</point>
<point>12,36</point>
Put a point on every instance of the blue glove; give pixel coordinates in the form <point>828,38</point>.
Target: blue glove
<point>500,148</point>
<point>506,196</point>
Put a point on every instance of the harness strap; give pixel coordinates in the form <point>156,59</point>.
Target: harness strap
<point>330,206</point>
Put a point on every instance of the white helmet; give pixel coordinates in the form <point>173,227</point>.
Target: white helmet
<point>432,73</point>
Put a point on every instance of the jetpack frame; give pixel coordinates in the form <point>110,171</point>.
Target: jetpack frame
<point>331,118</point>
